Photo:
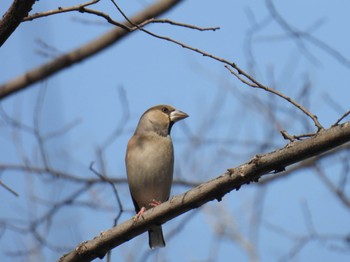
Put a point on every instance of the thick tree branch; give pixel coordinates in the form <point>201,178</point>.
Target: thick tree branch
<point>308,163</point>
<point>83,52</point>
<point>13,17</point>
<point>215,189</point>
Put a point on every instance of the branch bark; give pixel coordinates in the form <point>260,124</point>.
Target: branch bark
<point>234,178</point>
<point>82,52</point>
<point>13,17</point>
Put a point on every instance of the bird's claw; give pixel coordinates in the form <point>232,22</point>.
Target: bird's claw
<point>139,214</point>
<point>154,203</point>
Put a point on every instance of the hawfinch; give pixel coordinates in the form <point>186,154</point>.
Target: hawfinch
<point>150,163</point>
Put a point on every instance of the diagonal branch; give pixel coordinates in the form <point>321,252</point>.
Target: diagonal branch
<point>308,163</point>
<point>8,188</point>
<point>13,17</point>
<point>215,189</point>
<point>253,83</point>
<point>257,84</point>
<point>81,53</point>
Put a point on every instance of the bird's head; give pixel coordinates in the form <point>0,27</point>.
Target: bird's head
<point>160,119</point>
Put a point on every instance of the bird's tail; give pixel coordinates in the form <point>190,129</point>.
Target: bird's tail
<point>155,237</point>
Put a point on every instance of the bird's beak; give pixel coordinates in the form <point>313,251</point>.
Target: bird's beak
<point>177,115</point>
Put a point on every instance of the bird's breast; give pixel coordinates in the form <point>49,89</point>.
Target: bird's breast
<point>150,163</point>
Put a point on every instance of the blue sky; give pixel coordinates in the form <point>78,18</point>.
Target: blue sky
<point>151,71</point>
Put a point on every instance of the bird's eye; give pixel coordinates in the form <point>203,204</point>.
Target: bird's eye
<point>165,110</point>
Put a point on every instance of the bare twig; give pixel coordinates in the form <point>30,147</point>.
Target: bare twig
<point>341,118</point>
<point>47,50</point>
<point>63,130</point>
<point>295,137</point>
<point>105,16</point>
<point>110,182</point>
<point>59,10</point>
<point>171,22</point>
<point>338,193</point>
<point>82,9</point>
<point>36,121</point>
<point>285,135</point>
<point>302,240</point>
<point>125,114</point>
<point>77,179</point>
<point>300,35</point>
<point>301,136</point>
<point>332,103</point>
<point>106,179</point>
<point>256,84</point>
<point>8,188</point>
<point>253,83</point>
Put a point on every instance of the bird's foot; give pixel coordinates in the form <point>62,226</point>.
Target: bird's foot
<point>139,214</point>
<point>154,203</point>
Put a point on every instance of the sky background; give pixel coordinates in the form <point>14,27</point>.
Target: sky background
<point>229,123</point>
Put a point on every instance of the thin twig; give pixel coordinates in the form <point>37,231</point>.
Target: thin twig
<point>300,35</point>
<point>8,188</point>
<point>299,137</point>
<point>65,129</point>
<point>329,184</point>
<point>285,135</point>
<point>78,8</point>
<point>254,83</point>
<point>59,10</point>
<point>105,16</point>
<point>295,137</point>
<point>82,9</point>
<point>106,179</point>
<point>341,118</point>
<point>120,126</point>
<point>171,22</point>
<point>36,122</point>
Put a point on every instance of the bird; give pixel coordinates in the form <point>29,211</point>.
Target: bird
<point>150,163</point>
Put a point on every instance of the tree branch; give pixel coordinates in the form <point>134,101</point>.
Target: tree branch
<point>59,10</point>
<point>256,84</point>
<point>253,83</point>
<point>234,178</point>
<point>83,52</point>
<point>308,163</point>
<point>13,17</point>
